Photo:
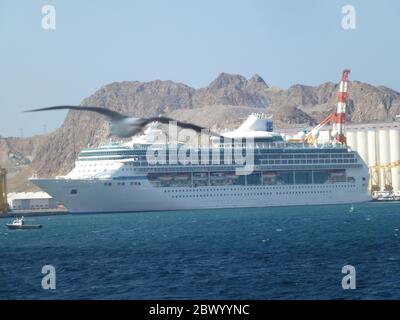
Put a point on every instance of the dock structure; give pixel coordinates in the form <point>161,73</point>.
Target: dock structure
<point>31,201</point>
<point>3,191</point>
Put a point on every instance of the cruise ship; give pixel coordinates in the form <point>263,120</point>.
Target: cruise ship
<point>119,177</point>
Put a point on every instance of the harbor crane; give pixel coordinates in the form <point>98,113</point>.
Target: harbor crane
<point>337,118</point>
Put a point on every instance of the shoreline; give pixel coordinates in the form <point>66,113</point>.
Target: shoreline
<point>34,213</point>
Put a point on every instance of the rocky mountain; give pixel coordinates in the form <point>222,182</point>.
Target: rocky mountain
<point>224,103</point>
<point>233,90</point>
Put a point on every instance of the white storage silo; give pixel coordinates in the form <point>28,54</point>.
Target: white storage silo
<point>362,144</point>
<point>373,159</point>
<point>394,135</point>
<point>351,138</point>
<point>384,155</point>
<point>372,156</point>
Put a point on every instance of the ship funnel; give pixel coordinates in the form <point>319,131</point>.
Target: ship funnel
<point>257,122</point>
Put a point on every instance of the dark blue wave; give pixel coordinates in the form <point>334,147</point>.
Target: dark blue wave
<point>269,253</point>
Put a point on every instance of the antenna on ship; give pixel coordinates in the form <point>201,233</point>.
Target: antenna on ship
<point>340,116</point>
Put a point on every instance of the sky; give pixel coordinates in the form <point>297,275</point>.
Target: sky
<point>190,41</point>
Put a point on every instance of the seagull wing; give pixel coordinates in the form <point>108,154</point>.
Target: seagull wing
<point>181,124</point>
<point>113,115</point>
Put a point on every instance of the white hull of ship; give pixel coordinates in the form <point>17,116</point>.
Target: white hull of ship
<point>95,196</point>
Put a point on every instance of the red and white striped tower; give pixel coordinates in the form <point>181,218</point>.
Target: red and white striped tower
<point>340,116</point>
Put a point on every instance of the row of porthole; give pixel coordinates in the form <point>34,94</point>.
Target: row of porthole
<point>220,195</point>
<point>274,188</point>
<point>245,194</point>
<point>109,184</point>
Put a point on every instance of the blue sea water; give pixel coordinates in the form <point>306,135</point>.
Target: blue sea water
<point>267,253</point>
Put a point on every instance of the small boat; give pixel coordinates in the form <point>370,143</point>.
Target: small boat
<point>383,196</point>
<point>20,224</point>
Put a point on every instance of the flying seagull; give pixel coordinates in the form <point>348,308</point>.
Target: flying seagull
<point>125,126</point>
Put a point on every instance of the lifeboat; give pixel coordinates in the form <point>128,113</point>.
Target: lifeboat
<point>270,174</point>
<point>218,175</point>
<point>232,175</point>
<point>166,177</point>
<point>182,177</point>
<point>200,176</point>
<point>337,173</point>
<point>152,177</point>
